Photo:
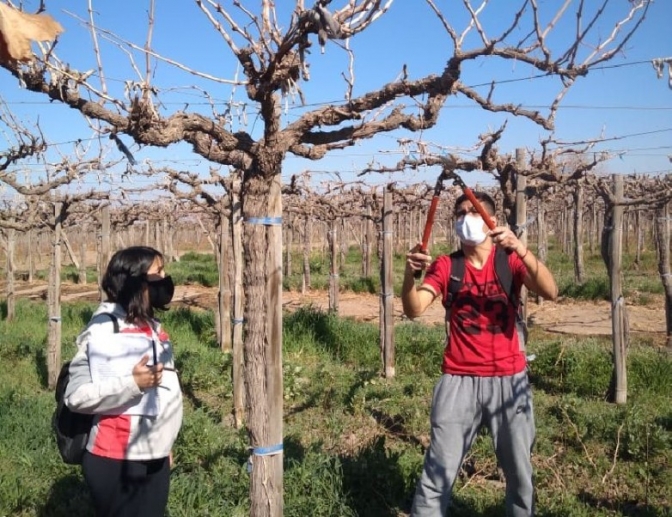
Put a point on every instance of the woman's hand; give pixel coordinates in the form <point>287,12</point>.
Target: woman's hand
<point>147,376</point>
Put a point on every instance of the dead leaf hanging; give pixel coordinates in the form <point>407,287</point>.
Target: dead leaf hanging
<point>18,29</point>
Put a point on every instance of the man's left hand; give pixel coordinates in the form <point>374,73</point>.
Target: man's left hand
<point>504,237</point>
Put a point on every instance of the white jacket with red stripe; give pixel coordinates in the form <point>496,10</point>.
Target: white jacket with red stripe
<point>115,435</point>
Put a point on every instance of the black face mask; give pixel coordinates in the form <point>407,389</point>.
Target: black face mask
<point>161,292</point>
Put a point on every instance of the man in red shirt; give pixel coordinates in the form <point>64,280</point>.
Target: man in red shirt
<point>484,379</point>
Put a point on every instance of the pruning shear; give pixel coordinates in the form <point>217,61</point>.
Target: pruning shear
<point>432,211</point>
<point>457,180</point>
<point>430,216</point>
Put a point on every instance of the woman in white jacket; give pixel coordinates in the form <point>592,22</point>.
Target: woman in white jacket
<point>138,412</point>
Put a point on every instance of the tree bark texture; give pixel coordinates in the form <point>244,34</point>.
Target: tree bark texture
<point>263,337</point>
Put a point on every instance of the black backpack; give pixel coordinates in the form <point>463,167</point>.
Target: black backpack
<point>504,276</point>
<point>70,428</point>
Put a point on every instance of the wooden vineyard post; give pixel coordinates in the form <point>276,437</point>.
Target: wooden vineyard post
<point>619,321</point>
<point>11,245</point>
<point>307,248</point>
<point>54,302</point>
<point>521,218</point>
<point>224,292</point>
<point>662,224</point>
<point>103,247</point>
<point>31,257</point>
<point>542,237</point>
<point>238,359</point>
<point>579,270</point>
<point>387,289</point>
<point>81,278</point>
<point>332,235</point>
<point>289,237</point>
<point>368,243</point>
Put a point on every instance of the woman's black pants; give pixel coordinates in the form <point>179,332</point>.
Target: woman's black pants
<point>121,488</point>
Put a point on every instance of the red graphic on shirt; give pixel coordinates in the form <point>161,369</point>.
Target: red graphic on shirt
<point>479,309</point>
<point>483,341</point>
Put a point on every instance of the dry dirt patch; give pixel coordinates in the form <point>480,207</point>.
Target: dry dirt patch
<point>565,316</point>
<point>594,318</point>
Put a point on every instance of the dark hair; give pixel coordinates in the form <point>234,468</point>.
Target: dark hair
<point>485,199</point>
<point>125,281</point>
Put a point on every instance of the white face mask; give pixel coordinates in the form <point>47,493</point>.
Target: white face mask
<point>469,229</point>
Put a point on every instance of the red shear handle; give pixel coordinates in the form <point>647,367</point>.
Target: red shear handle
<point>479,207</point>
<point>429,223</point>
<point>428,229</point>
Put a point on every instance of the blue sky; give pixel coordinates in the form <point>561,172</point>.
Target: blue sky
<point>621,99</point>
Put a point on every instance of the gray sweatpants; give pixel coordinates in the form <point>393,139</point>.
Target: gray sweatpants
<point>460,405</point>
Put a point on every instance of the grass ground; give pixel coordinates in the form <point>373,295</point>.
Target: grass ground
<point>354,441</point>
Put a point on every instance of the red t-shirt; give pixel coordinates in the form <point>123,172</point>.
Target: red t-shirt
<point>483,341</point>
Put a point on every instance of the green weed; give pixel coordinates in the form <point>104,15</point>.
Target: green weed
<point>353,440</point>
<point>194,268</point>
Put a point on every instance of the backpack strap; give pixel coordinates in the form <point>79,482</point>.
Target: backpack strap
<point>505,276</point>
<point>456,276</point>
<point>115,321</point>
